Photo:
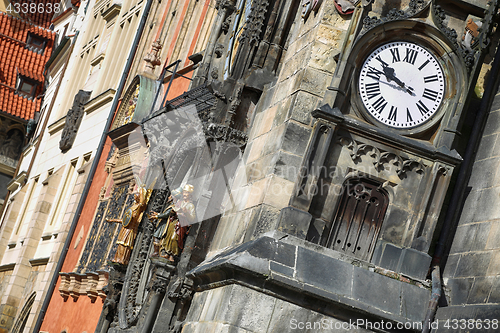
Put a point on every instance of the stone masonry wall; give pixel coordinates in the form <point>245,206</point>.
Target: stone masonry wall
<point>472,272</point>
<point>282,125</point>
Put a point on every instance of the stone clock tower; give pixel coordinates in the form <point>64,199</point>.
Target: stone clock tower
<point>348,120</point>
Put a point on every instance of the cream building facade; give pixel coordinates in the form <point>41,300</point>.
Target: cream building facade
<point>94,42</point>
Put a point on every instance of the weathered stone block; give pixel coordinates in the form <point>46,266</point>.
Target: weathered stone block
<point>486,147</point>
<point>464,237</point>
<point>294,222</point>
<point>493,241</point>
<point>250,309</point>
<point>282,269</point>
<point>296,138</point>
<point>390,257</point>
<point>480,290</point>
<point>257,192</point>
<point>475,264</point>
<point>314,81</point>
<point>485,210</point>
<point>414,264</point>
<point>493,122</point>
<point>267,221</point>
<point>324,272</point>
<point>483,174</point>
<point>322,56</point>
<point>482,232</point>
<point>279,192</point>
<point>451,266</point>
<point>494,268</point>
<point>414,301</point>
<point>303,105</point>
<point>287,166</point>
<point>495,290</point>
<point>376,290</point>
<point>460,289</point>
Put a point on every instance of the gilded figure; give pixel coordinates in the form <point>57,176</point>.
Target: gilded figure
<point>130,222</point>
<point>173,224</point>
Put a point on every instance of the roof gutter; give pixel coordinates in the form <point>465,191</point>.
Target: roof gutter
<point>93,168</point>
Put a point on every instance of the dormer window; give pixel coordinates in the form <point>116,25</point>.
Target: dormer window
<point>36,43</point>
<point>26,87</point>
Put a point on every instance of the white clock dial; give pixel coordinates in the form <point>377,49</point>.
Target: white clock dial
<point>401,84</point>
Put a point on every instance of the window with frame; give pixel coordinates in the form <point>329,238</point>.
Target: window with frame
<point>26,86</point>
<point>36,43</point>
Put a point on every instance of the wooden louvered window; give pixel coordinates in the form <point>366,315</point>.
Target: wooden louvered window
<point>358,218</point>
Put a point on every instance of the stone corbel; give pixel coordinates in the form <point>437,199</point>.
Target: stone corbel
<point>74,285</point>
<point>91,288</point>
<point>103,282</point>
<point>64,285</point>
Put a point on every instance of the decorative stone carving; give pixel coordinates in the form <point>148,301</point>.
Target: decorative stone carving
<point>256,18</point>
<point>219,49</point>
<point>153,59</point>
<point>102,283</point>
<point>91,288</point>
<point>414,8</point>
<point>129,308</point>
<point>77,285</point>
<point>73,120</point>
<point>11,147</point>
<point>345,7</point>
<point>64,285</point>
<point>481,34</point>
<point>380,157</point>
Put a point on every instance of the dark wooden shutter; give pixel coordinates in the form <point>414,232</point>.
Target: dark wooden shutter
<point>358,218</point>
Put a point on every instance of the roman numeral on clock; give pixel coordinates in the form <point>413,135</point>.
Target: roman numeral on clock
<point>408,116</point>
<point>395,55</point>
<point>411,56</point>
<point>379,104</point>
<point>373,73</point>
<point>372,89</point>
<point>422,108</point>
<point>383,63</point>
<point>423,65</point>
<point>392,113</point>
<point>431,78</point>
<point>430,94</point>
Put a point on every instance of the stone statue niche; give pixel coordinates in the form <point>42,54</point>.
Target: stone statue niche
<point>11,147</point>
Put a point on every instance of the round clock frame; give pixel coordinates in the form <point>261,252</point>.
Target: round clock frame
<point>405,82</point>
<point>401,84</point>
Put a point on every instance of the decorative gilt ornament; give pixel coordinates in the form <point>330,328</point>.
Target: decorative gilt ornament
<point>131,108</point>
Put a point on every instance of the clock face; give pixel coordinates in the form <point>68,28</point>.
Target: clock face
<point>401,84</point>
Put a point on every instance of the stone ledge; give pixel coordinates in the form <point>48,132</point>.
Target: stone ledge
<point>277,263</point>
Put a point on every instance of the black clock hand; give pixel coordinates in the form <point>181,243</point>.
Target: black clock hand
<point>389,73</point>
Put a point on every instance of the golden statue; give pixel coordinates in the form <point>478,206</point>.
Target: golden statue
<point>173,224</point>
<point>130,221</point>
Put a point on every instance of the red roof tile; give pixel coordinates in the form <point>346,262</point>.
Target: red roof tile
<point>16,58</point>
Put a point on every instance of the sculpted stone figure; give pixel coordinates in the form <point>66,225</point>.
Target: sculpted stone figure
<point>131,219</point>
<point>12,146</point>
<point>173,224</point>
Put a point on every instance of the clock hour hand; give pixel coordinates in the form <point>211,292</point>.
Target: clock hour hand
<point>389,73</point>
